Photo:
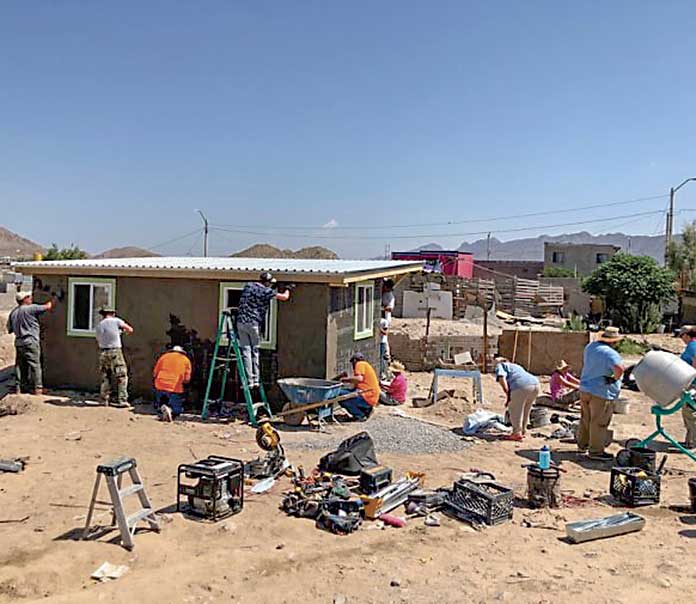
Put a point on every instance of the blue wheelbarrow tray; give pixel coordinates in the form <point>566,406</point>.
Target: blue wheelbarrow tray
<point>307,391</point>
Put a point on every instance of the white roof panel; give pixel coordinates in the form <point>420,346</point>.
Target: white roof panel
<point>186,264</point>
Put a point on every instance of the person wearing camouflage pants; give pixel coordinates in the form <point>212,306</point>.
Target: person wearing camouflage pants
<point>112,364</point>
<point>114,377</point>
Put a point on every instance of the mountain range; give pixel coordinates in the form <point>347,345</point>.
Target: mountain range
<point>532,248</point>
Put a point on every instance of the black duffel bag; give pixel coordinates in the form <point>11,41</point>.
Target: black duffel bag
<point>353,455</point>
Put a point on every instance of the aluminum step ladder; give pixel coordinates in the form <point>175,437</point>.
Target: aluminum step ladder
<point>113,473</point>
<point>225,352</point>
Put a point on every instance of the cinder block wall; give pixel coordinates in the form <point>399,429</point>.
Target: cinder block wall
<point>419,354</point>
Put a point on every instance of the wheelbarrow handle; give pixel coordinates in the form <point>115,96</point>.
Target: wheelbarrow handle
<point>324,403</point>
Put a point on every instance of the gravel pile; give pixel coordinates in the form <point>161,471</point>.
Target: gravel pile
<point>390,434</point>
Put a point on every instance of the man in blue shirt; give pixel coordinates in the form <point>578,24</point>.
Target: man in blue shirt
<point>253,305</point>
<point>688,335</point>
<point>521,389</point>
<point>600,385</point>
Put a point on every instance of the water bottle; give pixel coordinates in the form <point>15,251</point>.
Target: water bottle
<point>544,462</point>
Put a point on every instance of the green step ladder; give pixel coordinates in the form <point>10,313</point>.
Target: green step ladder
<point>225,352</point>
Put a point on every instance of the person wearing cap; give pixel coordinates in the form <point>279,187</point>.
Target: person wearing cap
<point>688,335</point>
<point>251,314</point>
<point>364,380</point>
<point>171,373</point>
<point>521,389</point>
<point>23,322</point>
<point>394,392</point>
<point>600,386</point>
<point>564,385</point>
<point>112,364</point>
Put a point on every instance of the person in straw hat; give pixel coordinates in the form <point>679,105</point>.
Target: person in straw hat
<point>600,386</point>
<point>171,373</point>
<point>112,364</point>
<point>564,385</point>
<point>394,392</point>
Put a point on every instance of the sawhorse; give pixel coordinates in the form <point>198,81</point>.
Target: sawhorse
<point>474,375</point>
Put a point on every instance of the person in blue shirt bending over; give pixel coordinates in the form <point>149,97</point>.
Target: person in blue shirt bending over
<point>600,385</point>
<point>521,389</point>
<point>688,335</point>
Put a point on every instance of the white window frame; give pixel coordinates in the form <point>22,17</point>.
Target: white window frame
<point>271,317</point>
<point>367,311</point>
<point>91,281</point>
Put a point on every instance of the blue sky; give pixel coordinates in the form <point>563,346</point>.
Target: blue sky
<point>118,120</point>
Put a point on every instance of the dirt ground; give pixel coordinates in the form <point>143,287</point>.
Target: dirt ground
<point>261,555</point>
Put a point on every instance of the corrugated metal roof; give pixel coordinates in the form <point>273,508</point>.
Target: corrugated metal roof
<point>222,264</point>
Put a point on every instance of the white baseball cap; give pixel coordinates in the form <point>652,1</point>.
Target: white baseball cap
<point>21,296</point>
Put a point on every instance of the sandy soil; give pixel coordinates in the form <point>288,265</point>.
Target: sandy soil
<point>261,555</point>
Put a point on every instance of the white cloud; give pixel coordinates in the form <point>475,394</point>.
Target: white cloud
<point>332,224</point>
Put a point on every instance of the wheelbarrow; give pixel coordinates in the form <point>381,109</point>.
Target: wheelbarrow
<point>310,395</point>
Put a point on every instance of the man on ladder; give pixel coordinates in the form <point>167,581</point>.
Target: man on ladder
<point>253,306</point>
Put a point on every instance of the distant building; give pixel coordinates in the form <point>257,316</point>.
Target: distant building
<point>453,263</point>
<point>581,258</point>
<point>523,269</point>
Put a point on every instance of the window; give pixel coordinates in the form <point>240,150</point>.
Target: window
<point>363,310</point>
<point>602,258</point>
<point>558,257</point>
<point>231,293</point>
<point>85,298</point>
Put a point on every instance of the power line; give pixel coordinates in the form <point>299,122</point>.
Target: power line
<point>174,240</point>
<point>440,235</point>
<point>448,223</point>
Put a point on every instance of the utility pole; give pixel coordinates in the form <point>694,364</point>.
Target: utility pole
<point>205,234</point>
<point>488,247</point>
<point>669,227</point>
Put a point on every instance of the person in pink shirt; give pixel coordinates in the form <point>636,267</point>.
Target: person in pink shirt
<point>394,392</point>
<point>564,385</point>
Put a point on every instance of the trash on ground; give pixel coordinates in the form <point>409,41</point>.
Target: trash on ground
<point>108,571</point>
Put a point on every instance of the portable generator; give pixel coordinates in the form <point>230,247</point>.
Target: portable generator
<point>218,490</point>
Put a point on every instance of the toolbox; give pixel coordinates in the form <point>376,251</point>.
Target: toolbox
<point>375,479</point>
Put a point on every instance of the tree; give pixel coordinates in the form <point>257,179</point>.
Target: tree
<point>634,289</point>
<point>681,257</point>
<point>67,253</point>
<point>558,271</point>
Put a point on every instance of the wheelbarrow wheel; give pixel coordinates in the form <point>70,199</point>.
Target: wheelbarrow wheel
<point>292,419</point>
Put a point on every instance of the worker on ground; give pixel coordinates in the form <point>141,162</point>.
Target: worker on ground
<point>384,352</point>
<point>23,322</point>
<point>364,380</point>
<point>171,373</point>
<point>394,392</point>
<point>564,385</point>
<point>112,364</point>
<point>521,389</point>
<point>688,335</point>
<point>253,305</point>
<point>600,385</point>
<point>388,299</point>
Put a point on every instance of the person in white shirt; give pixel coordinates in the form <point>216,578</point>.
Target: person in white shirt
<point>388,299</point>
<point>384,352</point>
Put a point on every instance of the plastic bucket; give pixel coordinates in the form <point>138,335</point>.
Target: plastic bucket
<point>642,457</point>
<point>692,493</point>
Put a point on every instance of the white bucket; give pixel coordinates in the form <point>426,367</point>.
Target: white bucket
<point>663,376</point>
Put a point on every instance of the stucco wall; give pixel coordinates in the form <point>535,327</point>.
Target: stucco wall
<point>181,311</point>
<point>341,342</point>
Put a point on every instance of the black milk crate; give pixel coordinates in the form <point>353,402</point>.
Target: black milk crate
<point>488,501</point>
<point>635,486</point>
